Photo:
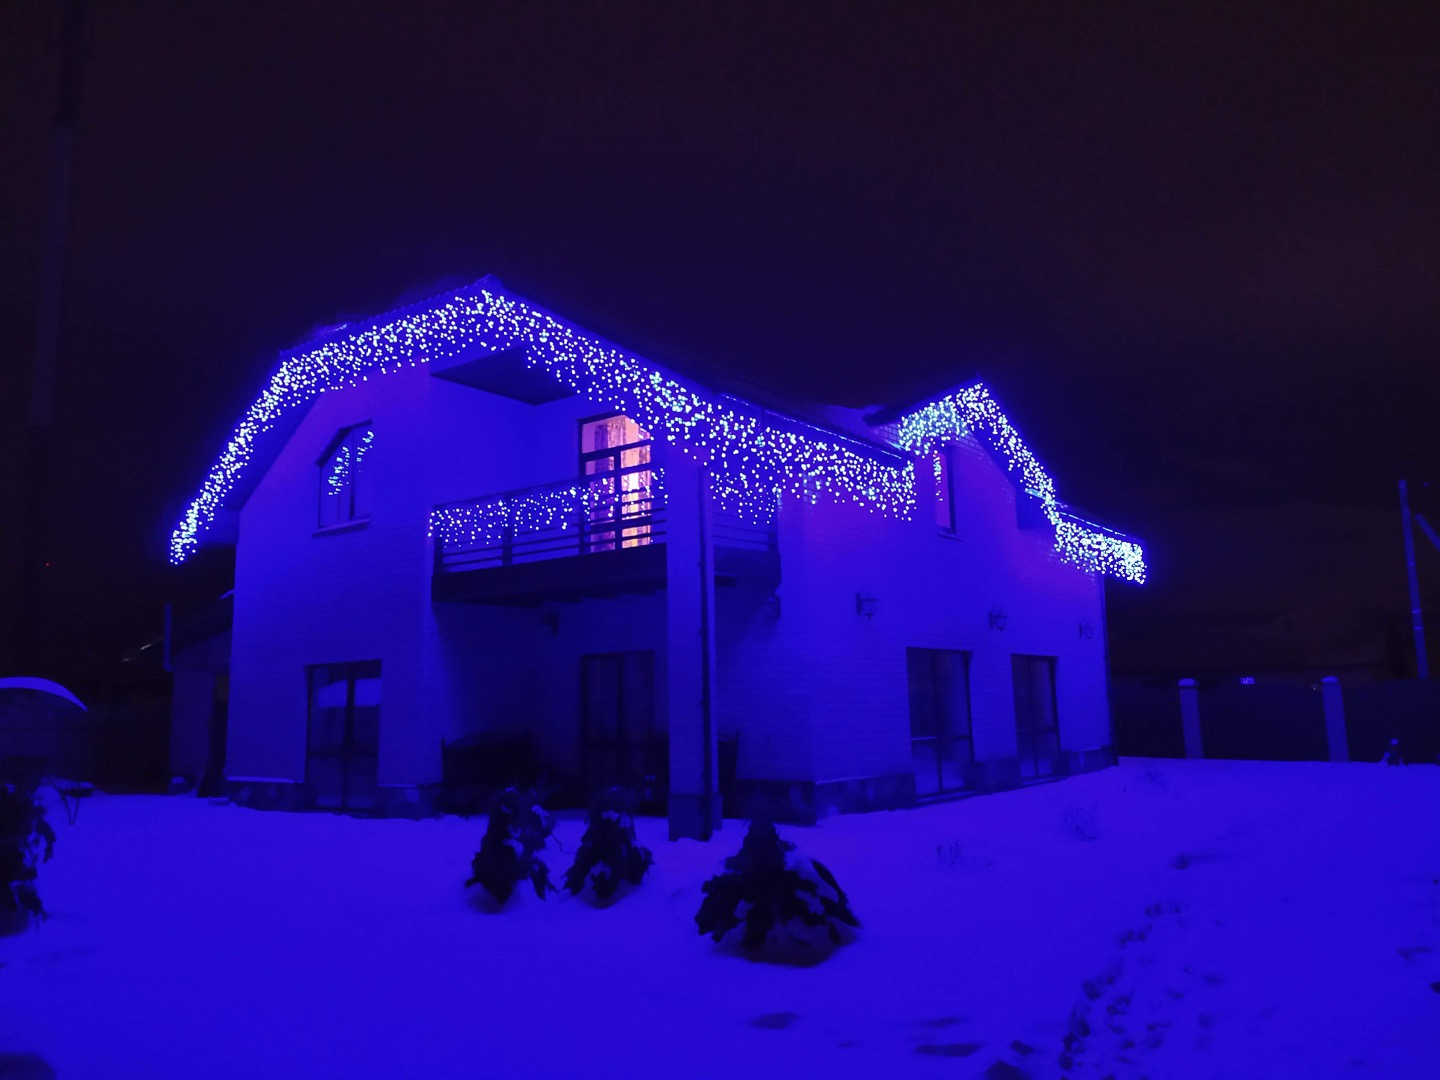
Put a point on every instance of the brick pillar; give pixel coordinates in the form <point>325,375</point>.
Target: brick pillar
<point>1190,718</point>
<point>1333,698</point>
<point>690,650</point>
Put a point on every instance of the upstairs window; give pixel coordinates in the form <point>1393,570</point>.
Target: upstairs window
<point>940,467</point>
<point>344,486</point>
<point>617,481</point>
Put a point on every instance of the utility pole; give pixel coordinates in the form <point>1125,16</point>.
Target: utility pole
<point>1417,617</point>
<point>35,518</point>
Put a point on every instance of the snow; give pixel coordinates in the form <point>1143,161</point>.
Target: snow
<point>1199,919</point>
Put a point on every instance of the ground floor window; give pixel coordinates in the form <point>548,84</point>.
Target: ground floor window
<point>343,758</point>
<point>619,736</point>
<point>941,749</point>
<point>1037,728</point>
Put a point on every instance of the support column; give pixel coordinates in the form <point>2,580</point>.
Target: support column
<point>1333,698</point>
<point>690,639</point>
<point>1190,718</point>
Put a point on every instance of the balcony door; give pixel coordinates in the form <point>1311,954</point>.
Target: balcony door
<point>617,483</point>
<point>343,759</point>
<point>1037,728</point>
<point>619,740</point>
<point>941,750</point>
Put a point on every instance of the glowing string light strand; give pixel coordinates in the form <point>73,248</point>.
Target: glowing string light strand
<point>972,409</point>
<point>753,461</point>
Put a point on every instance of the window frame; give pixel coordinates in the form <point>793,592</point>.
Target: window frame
<point>1035,732</point>
<point>939,702</point>
<point>348,517</point>
<point>946,456</point>
<point>638,522</point>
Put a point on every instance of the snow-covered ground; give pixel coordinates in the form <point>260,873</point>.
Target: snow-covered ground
<point>1199,919</point>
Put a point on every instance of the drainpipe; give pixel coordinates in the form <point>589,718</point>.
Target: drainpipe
<point>707,584</point>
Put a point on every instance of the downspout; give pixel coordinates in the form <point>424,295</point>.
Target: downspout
<point>707,583</point>
<point>1105,648</point>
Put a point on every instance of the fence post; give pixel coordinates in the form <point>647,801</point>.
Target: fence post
<point>1190,718</point>
<point>1333,699</point>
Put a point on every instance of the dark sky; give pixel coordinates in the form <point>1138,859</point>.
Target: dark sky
<point>1194,252</point>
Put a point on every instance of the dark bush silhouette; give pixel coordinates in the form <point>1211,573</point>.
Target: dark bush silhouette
<point>510,849</point>
<point>773,892</point>
<point>26,841</point>
<point>609,853</point>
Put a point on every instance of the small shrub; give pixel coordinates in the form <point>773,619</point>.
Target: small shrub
<point>510,849</point>
<point>773,892</point>
<point>951,854</point>
<point>609,852</point>
<point>26,841</point>
<point>1079,821</point>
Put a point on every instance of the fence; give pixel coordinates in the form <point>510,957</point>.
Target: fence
<point>1278,721</point>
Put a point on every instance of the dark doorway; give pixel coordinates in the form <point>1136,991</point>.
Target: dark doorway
<point>617,718</point>
<point>941,751</point>
<point>1037,728</point>
<point>343,762</point>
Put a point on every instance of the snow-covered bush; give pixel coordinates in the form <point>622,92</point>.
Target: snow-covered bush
<point>609,853</point>
<point>778,897</point>
<point>510,849</point>
<point>1079,820</point>
<point>26,840</point>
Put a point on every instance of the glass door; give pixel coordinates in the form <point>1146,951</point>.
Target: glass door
<point>1037,730</point>
<point>343,759</point>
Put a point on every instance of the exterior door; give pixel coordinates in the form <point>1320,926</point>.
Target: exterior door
<point>343,762</point>
<point>617,717</point>
<point>1037,729</point>
<point>941,750</point>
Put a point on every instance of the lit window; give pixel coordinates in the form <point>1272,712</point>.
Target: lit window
<point>344,489</point>
<point>615,466</point>
<point>944,490</point>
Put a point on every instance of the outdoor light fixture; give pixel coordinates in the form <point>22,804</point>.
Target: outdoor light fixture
<point>865,605</point>
<point>772,607</point>
<point>551,621</point>
<point>1087,631</point>
<point>997,619</point>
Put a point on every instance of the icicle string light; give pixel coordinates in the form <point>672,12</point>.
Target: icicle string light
<point>973,410</point>
<point>752,460</point>
<point>755,456</point>
<point>484,524</point>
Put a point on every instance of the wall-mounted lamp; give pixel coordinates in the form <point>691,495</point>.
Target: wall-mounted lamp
<point>997,619</point>
<point>772,607</point>
<point>865,605</point>
<point>551,622</point>
<point>1087,631</point>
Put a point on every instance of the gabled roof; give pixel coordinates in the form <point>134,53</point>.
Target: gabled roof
<point>758,447</point>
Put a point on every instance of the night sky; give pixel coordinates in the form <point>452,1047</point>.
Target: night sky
<point>1195,254</point>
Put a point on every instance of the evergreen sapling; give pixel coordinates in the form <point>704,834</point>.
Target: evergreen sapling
<point>510,849</point>
<point>775,894</point>
<point>609,853</point>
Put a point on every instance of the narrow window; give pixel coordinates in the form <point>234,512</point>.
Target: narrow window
<point>616,483</point>
<point>944,490</point>
<point>344,489</point>
<point>343,753</point>
<point>940,739</point>
<point>1037,727</point>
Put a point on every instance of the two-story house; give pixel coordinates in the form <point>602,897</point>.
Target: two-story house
<point>471,515</point>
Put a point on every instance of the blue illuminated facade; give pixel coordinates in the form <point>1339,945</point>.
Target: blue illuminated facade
<point>552,541</point>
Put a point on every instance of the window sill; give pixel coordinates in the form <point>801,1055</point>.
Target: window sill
<point>344,526</point>
<point>946,534</point>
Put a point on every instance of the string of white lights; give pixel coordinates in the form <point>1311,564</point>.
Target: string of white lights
<point>972,409</point>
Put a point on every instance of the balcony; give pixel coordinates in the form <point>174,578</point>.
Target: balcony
<point>600,536</point>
